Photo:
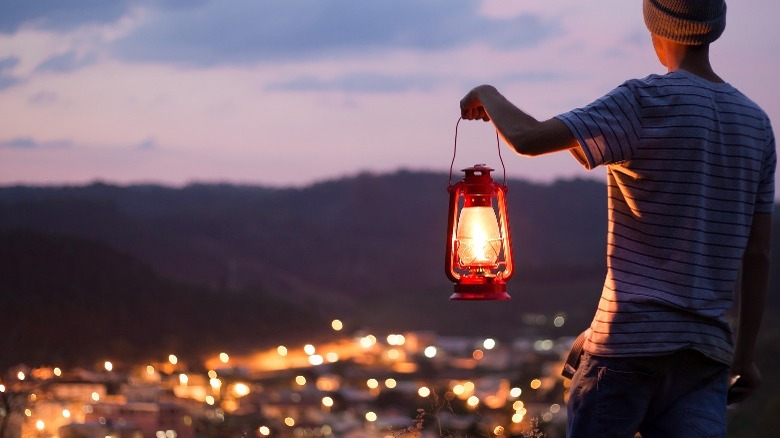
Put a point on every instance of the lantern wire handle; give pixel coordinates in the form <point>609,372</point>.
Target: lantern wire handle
<point>455,151</point>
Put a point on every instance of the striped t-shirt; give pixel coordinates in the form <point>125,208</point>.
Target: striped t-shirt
<point>688,162</point>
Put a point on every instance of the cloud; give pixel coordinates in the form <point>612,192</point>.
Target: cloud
<point>59,15</point>
<point>43,98</point>
<point>8,63</point>
<point>147,144</point>
<point>30,143</point>
<point>250,31</point>
<point>64,62</point>
<point>357,83</point>
<point>205,33</point>
<point>6,80</point>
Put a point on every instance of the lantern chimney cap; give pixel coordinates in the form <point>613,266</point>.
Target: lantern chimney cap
<point>479,171</point>
<point>480,166</point>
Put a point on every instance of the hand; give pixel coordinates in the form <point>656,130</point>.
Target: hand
<point>471,107</point>
<point>743,383</point>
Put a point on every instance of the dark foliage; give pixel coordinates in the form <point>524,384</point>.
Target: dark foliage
<point>73,301</point>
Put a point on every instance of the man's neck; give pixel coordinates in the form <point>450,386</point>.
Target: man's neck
<point>693,59</point>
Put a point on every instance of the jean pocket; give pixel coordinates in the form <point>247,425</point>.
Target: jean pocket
<point>623,398</point>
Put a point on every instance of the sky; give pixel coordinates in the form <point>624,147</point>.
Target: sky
<point>293,92</point>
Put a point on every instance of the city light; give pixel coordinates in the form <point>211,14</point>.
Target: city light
<point>367,341</point>
<point>559,321</point>
<point>231,397</point>
<point>396,340</point>
<point>173,359</point>
<point>241,389</point>
<point>543,345</point>
<point>39,425</point>
<point>316,359</point>
<point>336,325</point>
<point>2,388</point>
<point>57,372</point>
<point>282,350</point>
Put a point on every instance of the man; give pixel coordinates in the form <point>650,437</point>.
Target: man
<point>690,164</point>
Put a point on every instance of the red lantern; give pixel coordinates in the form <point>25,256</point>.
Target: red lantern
<point>479,249</point>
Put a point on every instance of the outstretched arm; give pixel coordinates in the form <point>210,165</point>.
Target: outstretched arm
<point>752,294</point>
<point>525,134</point>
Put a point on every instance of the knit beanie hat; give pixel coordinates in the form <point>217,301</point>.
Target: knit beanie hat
<point>690,22</point>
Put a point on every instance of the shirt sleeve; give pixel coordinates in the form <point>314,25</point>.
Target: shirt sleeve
<point>765,199</point>
<point>608,130</point>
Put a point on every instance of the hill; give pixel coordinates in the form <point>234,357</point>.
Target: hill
<point>74,301</point>
<point>345,244</point>
<point>367,249</point>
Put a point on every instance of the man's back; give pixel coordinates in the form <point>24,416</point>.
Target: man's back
<point>685,159</point>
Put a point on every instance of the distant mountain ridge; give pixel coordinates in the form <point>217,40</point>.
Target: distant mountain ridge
<point>218,228</point>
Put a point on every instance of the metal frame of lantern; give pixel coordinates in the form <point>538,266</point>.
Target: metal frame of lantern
<point>479,266</point>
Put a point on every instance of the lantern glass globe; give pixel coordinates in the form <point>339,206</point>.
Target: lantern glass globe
<point>479,239</point>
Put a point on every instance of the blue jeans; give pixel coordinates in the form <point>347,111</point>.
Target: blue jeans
<point>676,395</point>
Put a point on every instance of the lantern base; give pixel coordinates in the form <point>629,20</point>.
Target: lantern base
<point>481,291</point>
